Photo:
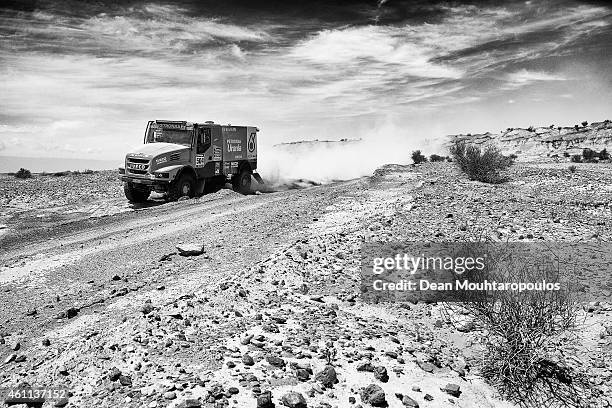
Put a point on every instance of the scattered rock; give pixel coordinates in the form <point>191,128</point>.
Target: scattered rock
<point>275,361</point>
<point>190,249</point>
<point>409,402</point>
<point>247,360</point>
<point>373,395</point>
<point>125,380</point>
<point>294,400</point>
<point>264,400</point>
<point>380,373</point>
<point>452,389</point>
<point>114,374</point>
<point>327,377</point>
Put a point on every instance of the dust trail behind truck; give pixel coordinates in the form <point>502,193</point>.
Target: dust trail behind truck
<point>181,158</point>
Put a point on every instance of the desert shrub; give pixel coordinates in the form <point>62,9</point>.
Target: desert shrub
<point>449,159</point>
<point>576,127</point>
<point>576,158</point>
<point>566,154</point>
<point>23,174</point>
<point>436,158</point>
<point>61,173</point>
<point>513,156</point>
<point>531,128</point>
<point>584,124</point>
<point>589,155</point>
<point>523,359</point>
<point>604,155</point>
<point>88,171</point>
<point>417,157</point>
<point>482,165</point>
<point>572,168</point>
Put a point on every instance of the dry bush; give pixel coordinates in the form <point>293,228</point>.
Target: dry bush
<point>482,165</point>
<point>523,359</point>
<point>23,173</point>
<point>418,157</point>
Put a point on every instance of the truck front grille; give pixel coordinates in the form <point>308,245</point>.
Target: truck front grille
<point>137,166</point>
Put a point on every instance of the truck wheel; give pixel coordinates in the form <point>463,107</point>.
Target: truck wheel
<point>136,194</point>
<point>183,186</point>
<point>242,181</point>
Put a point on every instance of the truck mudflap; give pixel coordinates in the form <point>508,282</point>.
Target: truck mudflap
<point>258,178</point>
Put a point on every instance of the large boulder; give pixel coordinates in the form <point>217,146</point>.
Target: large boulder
<point>373,395</point>
<point>294,400</point>
<point>327,377</point>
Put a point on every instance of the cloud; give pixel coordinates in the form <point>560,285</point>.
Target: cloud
<point>295,78</point>
<point>524,77</point>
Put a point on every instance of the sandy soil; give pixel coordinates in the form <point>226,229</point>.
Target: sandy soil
<point>272,300</point>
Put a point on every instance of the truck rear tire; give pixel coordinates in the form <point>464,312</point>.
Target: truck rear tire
<point>136,194</point>
<point>241,182</point>
<point>184,185</point>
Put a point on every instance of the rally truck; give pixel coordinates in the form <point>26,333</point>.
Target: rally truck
<point>181,158</point>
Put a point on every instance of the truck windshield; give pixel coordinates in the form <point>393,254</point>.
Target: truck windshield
<point>178,136</point>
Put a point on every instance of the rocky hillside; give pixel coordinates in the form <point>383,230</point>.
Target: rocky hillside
<point>545,141</point>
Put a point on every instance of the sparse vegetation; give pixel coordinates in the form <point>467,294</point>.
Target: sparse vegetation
<point>23,174</point>
<point>584,124</point>
<point>436,158</point>
<point>566,154</point>
<point>576,158</point>
<point>572,168</point>
<point>589,155</point>
<point>604,155</point>
<point>531,129</point>
<point>576,127</point>
<point>523,359</point>
<point>418,157</point>
<point>482,165</point>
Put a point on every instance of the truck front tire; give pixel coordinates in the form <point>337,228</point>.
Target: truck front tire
<point>184,185</point>
<point>241,182</point>
<point>136,194</point>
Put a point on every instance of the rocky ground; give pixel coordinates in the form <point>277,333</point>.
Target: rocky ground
<point>265,311</point>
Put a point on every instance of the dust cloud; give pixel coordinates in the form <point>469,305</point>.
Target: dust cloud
<point>328,161</point>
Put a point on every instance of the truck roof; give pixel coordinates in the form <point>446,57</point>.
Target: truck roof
<point>189,124</point>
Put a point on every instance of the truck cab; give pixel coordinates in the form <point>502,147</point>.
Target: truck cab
<point>180,158</point>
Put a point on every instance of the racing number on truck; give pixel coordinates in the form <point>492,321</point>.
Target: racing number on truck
<point>251,143</point>
<point>200,160</point>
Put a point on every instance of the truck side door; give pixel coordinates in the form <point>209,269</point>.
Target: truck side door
<point>205,167</point>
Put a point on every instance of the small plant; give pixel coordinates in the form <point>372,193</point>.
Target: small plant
<point>559,129</point>
<point>330,355</point>
<point>522,357</point>
<point>436,158</point>
<point>551,127</point>
<point>576,158</point>
<point>531,129</point>
<point>566,154</point>
<point>589,155</point>
<point>23,174</point>
<point>604,155</point>
<point>417,157</point>
<point>482,165</point>
<point>572,168</point>
<point>584,124</point>
<point>576,127</point>
<point>513,156</point>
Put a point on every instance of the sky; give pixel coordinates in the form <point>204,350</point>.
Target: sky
<point>80,79</point>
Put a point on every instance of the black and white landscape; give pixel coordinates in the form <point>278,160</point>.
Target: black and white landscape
<point>380,121</point>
